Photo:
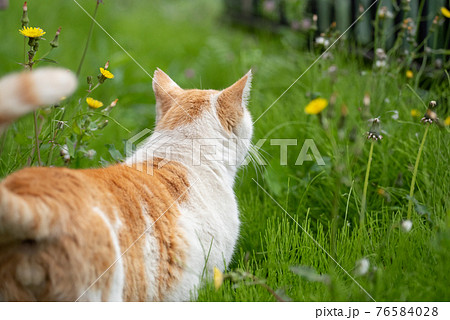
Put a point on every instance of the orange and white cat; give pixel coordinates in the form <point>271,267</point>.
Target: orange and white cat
<point>145,230</point>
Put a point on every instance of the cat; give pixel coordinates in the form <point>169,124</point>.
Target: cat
<point>149,229</point>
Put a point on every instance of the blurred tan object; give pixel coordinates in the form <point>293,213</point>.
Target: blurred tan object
<point>4,4</point>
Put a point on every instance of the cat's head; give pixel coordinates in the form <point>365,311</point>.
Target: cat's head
<point>207,114</point>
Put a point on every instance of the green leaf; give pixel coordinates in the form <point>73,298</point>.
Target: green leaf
<point>70,147</point>
<point>46,60</point>
<point>115,154</point>
<point>310,274</point>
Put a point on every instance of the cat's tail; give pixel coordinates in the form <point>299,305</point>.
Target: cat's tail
<point>23,92</point>
<point>25,219</point>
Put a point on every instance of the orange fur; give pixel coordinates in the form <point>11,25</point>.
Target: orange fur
<point>57,225</point>
<point>229,107</point>
<point>187,106</point>
<point>66,245</point>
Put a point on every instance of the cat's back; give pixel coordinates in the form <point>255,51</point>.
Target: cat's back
<point>113,211</point>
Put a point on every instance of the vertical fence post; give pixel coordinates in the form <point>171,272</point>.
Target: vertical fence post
<point>387,28</point>
<point>343,11</point>
<point>324,13</point>
<point>364,26</point>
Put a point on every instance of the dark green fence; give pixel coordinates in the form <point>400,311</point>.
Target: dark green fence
<point>389,15</point>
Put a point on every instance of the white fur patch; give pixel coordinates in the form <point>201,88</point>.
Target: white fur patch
<point>118,280</point>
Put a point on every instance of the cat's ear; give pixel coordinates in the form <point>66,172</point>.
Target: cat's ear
<point>166,91</point>
<point>232,101</point>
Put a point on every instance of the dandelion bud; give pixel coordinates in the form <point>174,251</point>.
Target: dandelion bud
<point>406,5</point>
<point>436,20</point>
<point>314,23</point>
<point>113,104</point>
<point>25,19</point>
<point>55,43</point>
<point>103,124</point>
<point>366,100</point>
<point>89,80</point>
<point>218,278</point>
<point>374,132</point>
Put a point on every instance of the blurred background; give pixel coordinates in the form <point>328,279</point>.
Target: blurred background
<point>396,55</point>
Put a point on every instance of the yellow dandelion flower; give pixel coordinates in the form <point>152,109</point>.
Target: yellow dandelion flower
<point>316,106</point>
<point>409,74</point>
<point>447,121</point>
<point>32,32</point>
<point>415,113</point>
<point>218,278</point>
<point>106,74</point>
<point>94,104</point>
<point>445,12</point>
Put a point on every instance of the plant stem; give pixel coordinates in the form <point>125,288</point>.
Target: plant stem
<point>416,167</point>
<point>36,136</point>
<point>88,39</point>
<point>366,183</point>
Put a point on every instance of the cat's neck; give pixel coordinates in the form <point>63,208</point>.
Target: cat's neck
<point>216,158</point>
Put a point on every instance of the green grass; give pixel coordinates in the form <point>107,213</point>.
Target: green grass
<point>324,200</point>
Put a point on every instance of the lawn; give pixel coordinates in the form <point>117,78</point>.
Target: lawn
<point>301,235</point>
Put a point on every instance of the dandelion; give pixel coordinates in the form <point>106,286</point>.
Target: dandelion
<point>316,106</point>
<point>64,152</point>
<point>374,135</point>
<point>380,64</point>
<point>429,117</point>
<point>447,121</point>
<point>406,225</point>
<point>374,132</point>
<point>384,13</point>
<point>106,74</point>
<point>395,115</point>
<point>362,267</point>
<point>445,12</point>
<point>415,113</point>
<point>94,104</point>
<point>322,41</point>
<point>218,278</point>
<point>409,74</point>
<point>90,154</point>
<point>32,32</point>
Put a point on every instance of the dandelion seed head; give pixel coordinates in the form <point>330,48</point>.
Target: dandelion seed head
<point>406,225</point>
<point>362,267</point>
